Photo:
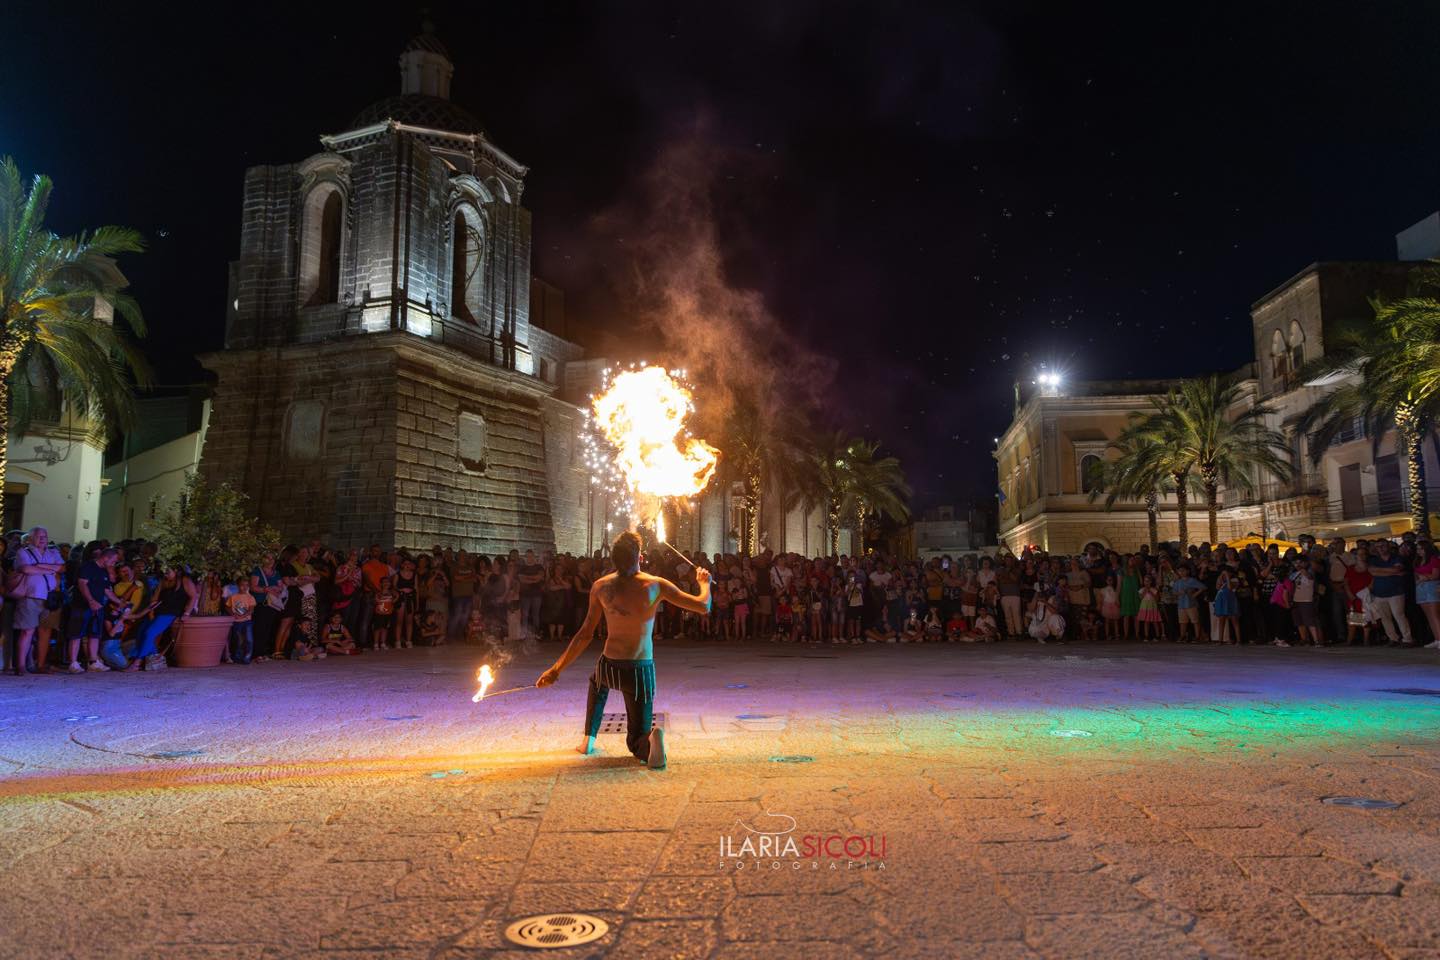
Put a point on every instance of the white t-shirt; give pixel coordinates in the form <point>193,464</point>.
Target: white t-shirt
<point>38,585</point>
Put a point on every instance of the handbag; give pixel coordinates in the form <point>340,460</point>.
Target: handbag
<point>1355,618</point>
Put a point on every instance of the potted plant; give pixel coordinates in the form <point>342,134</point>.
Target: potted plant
<point>210,531</point>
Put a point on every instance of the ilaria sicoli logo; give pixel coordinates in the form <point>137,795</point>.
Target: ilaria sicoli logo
<point>779,847</point>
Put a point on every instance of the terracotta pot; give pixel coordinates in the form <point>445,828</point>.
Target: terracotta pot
<point>199,641</point>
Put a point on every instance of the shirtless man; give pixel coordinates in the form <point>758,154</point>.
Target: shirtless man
<point>629,599</point>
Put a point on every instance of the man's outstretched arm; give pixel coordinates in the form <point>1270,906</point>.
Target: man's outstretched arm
<point>695,603</point>
<point>578,643</point>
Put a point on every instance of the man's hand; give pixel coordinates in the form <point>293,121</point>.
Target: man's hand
<point>94,607</point>
<point>702,576</point>
<point>548,677</point>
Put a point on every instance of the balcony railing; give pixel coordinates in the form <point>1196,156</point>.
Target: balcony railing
<point>1269,491</point>
<point>1383,503</point>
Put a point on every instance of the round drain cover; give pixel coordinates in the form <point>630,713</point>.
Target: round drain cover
<point>792,758</point>
<point>1069,733</point>
<point>1362,803</point>
<point>736,686</point>
<point>556,930</point>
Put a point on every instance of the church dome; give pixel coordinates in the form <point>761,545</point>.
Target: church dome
<point>419,110</point>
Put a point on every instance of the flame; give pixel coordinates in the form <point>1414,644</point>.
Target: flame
<point>643,414</point>
<point>484,678</point>
<point>660,527</point>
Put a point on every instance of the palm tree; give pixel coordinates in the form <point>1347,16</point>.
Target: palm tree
<point>761,453</point>
<point>843,474</point>
<point>1134,474</point>
<point>56,335</point>
<point>1392,369</point>
<point>1195,430</point>
<point>876,486</point>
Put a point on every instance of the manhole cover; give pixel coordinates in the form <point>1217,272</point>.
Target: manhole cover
<point>754,716</point>
<point>1360,803</point>
<point>174,754</point>
<point>728,686</point>
<point>556,930</point>
<point>615,722</point>
<point>408,716</point>
<point>1410,691</point>
<point>442,774</point>
<point>702,666</point>
<point>1069,733</point>
<point>956,695</point>
<point>88,716</point>
<point>1241,691</point>
<point>792,758</point>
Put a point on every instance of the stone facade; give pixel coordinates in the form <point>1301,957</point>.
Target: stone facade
<point>1355,489</point>
<point>381,380</point>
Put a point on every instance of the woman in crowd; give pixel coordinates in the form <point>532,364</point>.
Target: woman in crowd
<point>267,583</point>
<point>176,598</point>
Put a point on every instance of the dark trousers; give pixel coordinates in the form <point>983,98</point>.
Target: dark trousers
<point>635,679</point>
<point>266,620</point>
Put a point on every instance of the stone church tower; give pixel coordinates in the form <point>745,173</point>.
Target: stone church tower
<point>383,378</point>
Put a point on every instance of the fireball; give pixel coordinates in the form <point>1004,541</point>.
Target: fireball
<point>642,415</point>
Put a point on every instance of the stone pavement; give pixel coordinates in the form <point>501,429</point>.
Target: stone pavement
<point>1107,801</point>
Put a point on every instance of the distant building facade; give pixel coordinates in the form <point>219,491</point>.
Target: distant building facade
<point>146,470</point>
<point>1046,458</point>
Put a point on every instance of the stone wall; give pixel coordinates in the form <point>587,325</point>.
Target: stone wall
<point>340,487</point>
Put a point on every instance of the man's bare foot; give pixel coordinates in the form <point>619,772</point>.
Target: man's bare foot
<point>657,749</point>
<point>587,746</point>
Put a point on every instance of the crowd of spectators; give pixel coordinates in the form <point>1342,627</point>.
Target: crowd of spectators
<point>101,606</point>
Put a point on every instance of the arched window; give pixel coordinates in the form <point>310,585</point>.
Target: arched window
<point>466,257</point>
<point>1297,345</point>
<point>1279,356</point>
<point>322,225</point>
<point>1092,479</point>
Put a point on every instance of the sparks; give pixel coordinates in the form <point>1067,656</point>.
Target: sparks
<point>642,415</point>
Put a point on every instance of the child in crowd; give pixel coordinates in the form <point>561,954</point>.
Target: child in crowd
<point>432,629</point>
<point>934,629</point>
<point>384,614</point>
<point>240,604</point>
<point>785,619</point>
<point>336,637</point>
<point>1110,608</point>
<point>475,628</point>
<point>914,630</point>
<point>955,626</point>
<point>1149,616</point>
<point>985,627</point>
<point>723,614</point>
<point>740,604</point>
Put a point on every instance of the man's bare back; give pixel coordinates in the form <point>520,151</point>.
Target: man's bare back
<point>627,599</point>
<point>628,602</point>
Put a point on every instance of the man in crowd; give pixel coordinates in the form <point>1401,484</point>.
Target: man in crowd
<point>39,566</point>
<point>1387,592</point>
<point>87,610</point>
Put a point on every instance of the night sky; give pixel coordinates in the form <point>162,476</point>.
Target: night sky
<point>929,201</point>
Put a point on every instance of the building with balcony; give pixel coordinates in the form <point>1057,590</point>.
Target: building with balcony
<point>1061,432</point>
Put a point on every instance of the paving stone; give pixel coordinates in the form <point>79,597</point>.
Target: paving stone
<point>682,897</point>
<point>675,939</point>
<point>1059,856</point>
<point>1118,937</point>
<point>1035,894</point>
<point>1147,850</point>
<point>1316,875</point>
<point>794,918</point>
